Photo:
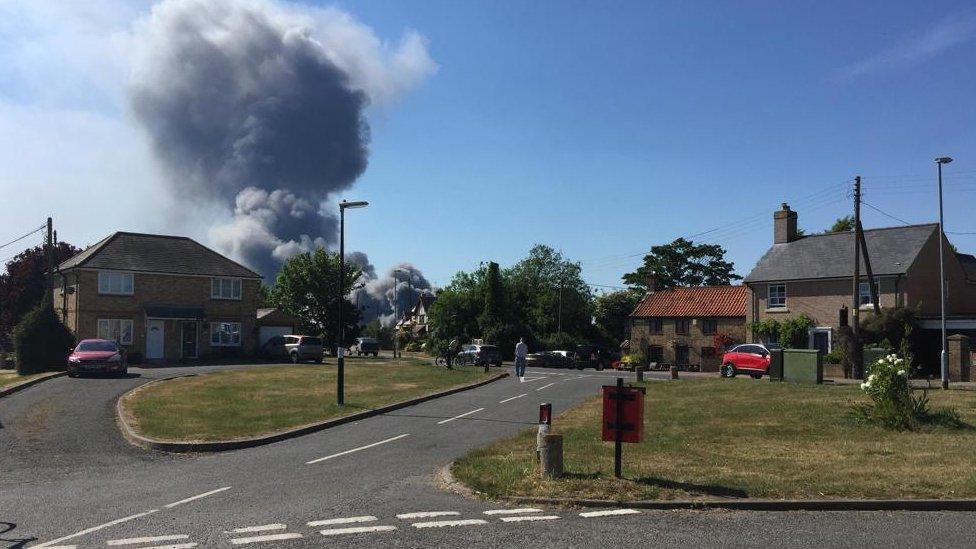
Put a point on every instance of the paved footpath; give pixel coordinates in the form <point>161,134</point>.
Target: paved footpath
<point>67,479</point>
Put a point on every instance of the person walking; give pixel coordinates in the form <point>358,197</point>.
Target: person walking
<point>521,350</point>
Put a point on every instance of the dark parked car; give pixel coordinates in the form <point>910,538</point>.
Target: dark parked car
<point>479,355</point>
<point>97,355</point>
<point>550,359</point>
<point>366,346</point>
<point>592,356</point>
<point>294,348</point>
<point>749,358</point>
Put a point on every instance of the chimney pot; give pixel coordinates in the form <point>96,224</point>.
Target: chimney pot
<point>784,225</point>
<point>651,282</point>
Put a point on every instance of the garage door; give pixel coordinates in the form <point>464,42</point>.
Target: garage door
<point>267,332</point>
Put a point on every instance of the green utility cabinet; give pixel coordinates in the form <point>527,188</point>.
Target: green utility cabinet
<point>802,366</point>
<point>776,365</point>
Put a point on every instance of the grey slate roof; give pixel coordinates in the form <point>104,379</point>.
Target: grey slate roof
<point>892,251</point>
<point>159,254</point>
<point>968,262</point>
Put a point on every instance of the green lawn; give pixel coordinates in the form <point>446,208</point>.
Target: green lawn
<point>741,438</point>
<point>11,377</point>
<point>249,402</point>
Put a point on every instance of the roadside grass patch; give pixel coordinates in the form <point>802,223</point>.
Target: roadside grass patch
<point>257,401</point>
<point>740,438</point>
<point>11,377</point>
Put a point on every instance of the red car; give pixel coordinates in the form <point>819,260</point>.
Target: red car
<point>97,355</point>
<point>749,358</point>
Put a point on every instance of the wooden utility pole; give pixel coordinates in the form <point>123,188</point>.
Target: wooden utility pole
<point>857,365</point>
<point>872,286</point>
<point>50,262</point>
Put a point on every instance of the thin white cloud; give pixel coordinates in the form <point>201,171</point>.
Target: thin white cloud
<point>948,33</point>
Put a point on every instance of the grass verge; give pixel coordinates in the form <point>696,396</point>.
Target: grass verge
<point>257,401</point>
<point>11,377</point>
<point>740,438</point>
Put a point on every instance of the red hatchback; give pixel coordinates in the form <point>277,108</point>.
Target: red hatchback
<point>97,355</point>
<point>750,358</point>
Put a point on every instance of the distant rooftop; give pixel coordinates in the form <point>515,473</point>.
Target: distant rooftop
<point>696,301</point>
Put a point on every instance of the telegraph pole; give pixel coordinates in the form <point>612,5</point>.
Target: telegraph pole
<point>50,262</point>
<point>857,366</point>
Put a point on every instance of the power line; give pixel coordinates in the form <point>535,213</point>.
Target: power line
<point>42,227</point>
<point>882,212</point>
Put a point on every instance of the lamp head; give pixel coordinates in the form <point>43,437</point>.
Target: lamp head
<point>943,160</point>
<point>345,205</point>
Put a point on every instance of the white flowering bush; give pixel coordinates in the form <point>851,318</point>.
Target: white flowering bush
<point>893,402</point>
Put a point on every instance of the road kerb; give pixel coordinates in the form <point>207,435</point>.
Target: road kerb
<point>136,439</point>
<point>750,504</point>
<point>11,389</point>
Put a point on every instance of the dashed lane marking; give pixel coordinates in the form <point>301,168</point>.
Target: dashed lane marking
<point>519,511</point>
<point>357,530</point>
<point>174,546</point>
<point>460,416</point>
<point>544,386</point>
<point>529,518</point>
<point>96,528</point>
<point>391,439</point>
<point>196,497</point>
<point>269,537</point>
<point>263,528</point>
<point>428,514</point>
<point>343,520</point>
<point>609,513</point>
<point>148,539</point>
<point>512,398</point>
<point>448,523</point>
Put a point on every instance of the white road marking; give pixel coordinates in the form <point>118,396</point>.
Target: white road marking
<point>428,514</point>
<point>460,416</point>
<point>96,528</point>
<point>544,386</point>
<point>529,518</point>
<point>174,546</point>
<point>59,546</point>
<point>196,497</point>
<point>357,530</point>
<point>519,511</point>
<point>150,539</point>
<point>610,513</point>
<point>391,439</point>
<point>263,528</point>
<point>269,537</point>
<point>446,523</point>
<point>513,398</point>
<point>344,520</point>
<point>528,379</point>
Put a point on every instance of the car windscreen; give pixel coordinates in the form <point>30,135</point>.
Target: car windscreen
<point>489,349</point>
<point>311,341</point>
<point>97,346</point>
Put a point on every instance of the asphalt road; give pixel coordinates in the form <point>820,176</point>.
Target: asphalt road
<point>67,478</point>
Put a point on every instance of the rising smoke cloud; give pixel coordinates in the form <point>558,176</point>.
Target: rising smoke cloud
<point>402,285</point>
<point>260,107</point>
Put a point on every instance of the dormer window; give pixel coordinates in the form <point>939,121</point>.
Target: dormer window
<point>114,283</point>
<point>225,288</point>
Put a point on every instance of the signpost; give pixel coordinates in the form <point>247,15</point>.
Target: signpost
<point>623,418</point>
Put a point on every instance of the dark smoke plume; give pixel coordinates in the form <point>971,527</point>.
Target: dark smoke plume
<point>257,106</point>
<point>403,285</point>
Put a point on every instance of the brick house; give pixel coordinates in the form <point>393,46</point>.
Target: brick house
<point>680,325</point>
<point>813,275</point>
<point>162,297</point>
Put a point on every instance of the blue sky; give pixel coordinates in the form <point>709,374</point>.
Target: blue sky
<point>598,128</point>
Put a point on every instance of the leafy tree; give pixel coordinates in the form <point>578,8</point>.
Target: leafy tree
<point>842,225</point>
<point>306,288</point>
<point>683,263</point>
<point>612,311</point>
<point>41,341</point>
<point>456,311</point>
<point>494,312</point>
<point>264,295</point>
<point>550,294</point>
<point>22,286</point>
<point>379,332</point>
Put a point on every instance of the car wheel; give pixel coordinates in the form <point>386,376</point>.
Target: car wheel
<point>318,361</point>
<point>375,355</point>
<point>599,367</point>
<point>756,376</point>
<point>294,358</point>
<point>728,370</point>
<point>72,374</point>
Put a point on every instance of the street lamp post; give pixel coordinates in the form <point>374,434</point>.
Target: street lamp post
<point>942,298</point>
<point>341,332</point>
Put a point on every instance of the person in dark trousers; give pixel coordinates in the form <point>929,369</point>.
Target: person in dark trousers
<point>521,350</point>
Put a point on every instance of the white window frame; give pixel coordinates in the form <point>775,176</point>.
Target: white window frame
<point>115,283</point>
<point>232,331</point>
<point>226,288</point>
<point>108,327</point>
<point>769,296</point>
<point>864,292</point>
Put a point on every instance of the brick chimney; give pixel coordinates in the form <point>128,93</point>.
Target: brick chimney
<point>651,281</point>
<point>784,225</point>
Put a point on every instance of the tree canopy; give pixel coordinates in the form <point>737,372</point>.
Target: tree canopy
<point>843,224</point>
<point>612,311</point>
<point>683,263</point>
<point>22,286</point>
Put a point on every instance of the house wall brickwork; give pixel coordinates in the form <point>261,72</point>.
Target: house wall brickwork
<point>668,339</point>
<point>89,306</point>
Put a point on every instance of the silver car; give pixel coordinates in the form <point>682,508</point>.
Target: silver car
<point>295,348</point>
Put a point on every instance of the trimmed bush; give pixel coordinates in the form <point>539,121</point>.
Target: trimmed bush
<point>42,343</point>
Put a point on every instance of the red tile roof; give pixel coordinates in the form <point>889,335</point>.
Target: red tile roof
<point>699,301</point>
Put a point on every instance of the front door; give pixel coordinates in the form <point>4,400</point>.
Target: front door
<point>820,340</point>
<point>155,339</point>
<point>189,339</point>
